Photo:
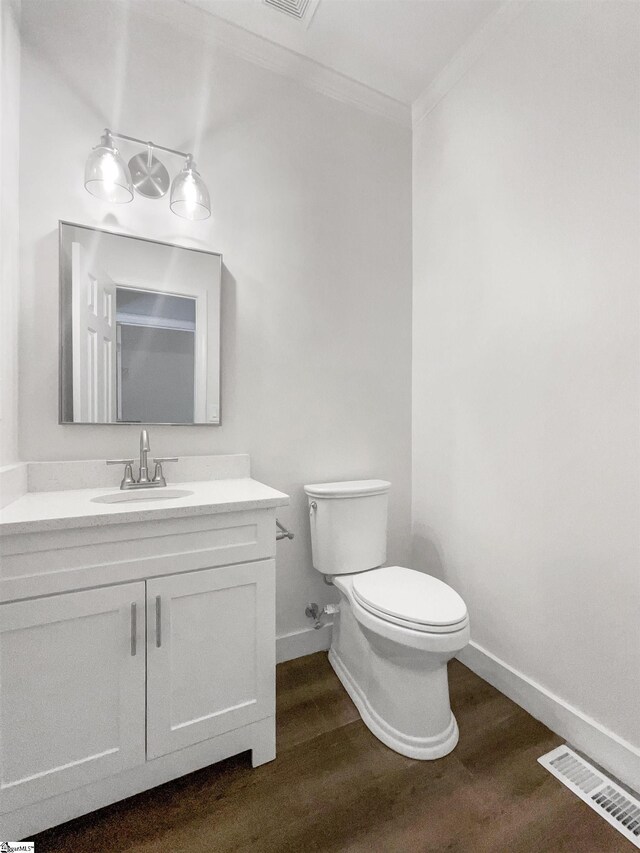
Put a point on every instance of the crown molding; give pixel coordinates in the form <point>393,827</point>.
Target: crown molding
<point>196,22</point>
<point>466,57</point>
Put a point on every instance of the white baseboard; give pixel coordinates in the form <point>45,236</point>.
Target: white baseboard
<point>613,753</point>
<point>301,643</point>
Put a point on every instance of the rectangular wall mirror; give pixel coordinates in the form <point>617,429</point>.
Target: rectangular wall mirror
<point>139,330</point>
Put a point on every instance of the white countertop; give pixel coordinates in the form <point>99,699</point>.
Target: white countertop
<point>40,511</point>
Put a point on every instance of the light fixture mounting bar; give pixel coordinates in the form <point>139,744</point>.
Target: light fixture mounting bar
<point>147,143</point>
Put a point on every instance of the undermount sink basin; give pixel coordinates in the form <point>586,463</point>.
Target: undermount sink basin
<point>161,494</point>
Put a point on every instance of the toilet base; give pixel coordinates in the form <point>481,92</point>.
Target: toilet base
<point>425,749</point>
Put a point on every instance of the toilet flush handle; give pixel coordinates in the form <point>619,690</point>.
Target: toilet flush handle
<point>313,506</point>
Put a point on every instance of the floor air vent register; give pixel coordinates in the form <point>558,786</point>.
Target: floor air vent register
<point>605,797</point>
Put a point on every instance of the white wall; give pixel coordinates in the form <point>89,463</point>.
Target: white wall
<point>9,171</point>
<point>526,345</point>
<point>311,211</point>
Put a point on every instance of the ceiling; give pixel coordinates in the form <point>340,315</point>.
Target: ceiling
<point>395,47</point>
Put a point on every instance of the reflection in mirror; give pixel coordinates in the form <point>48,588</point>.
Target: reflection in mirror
<point>140,330</point>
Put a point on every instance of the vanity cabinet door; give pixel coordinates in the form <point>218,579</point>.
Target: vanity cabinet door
<point>210,653</point>
<point>72,682</point>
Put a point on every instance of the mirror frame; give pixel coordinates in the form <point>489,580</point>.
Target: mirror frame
<point>62,321</point>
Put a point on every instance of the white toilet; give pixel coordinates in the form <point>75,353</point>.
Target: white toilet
<point>396,628</point>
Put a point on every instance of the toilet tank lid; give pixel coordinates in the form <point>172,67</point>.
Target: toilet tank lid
<point>348,489</point>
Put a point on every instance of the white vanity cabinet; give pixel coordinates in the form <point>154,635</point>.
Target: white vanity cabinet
<point>72,691</point>
<point>132,652</point>
<point>210,654</point>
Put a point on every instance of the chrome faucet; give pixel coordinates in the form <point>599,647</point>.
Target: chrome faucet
<point>144,449</point>
<point>143,481</point>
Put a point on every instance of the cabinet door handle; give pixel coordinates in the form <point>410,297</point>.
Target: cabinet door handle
<point>134,629</point>
<point>158,621</point>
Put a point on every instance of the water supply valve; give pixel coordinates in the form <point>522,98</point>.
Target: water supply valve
<point>315,612</point>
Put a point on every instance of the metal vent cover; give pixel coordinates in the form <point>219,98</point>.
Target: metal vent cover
<point>605,797</point>
<point>295,8</point>
<point>298,10</point>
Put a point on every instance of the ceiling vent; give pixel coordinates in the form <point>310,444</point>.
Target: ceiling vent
<point>297,10</point>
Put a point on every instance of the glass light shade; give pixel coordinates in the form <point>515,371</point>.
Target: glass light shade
<point>189,194</point>
<point>106,175</point>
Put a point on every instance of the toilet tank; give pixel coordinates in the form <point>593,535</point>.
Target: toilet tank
<point>348,525</point>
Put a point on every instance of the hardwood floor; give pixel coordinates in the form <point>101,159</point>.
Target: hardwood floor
<point>335,787</point>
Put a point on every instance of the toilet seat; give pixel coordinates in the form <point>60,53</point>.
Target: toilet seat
<point>410,598</point>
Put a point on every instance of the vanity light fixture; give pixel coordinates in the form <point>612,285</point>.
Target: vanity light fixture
<point>108,177</point>
<point>189,194</point>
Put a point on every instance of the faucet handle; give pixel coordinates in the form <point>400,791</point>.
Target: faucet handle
<point>158,475</point>
<point>128,470</point>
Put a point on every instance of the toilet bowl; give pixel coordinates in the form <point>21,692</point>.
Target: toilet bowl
<point>396,628</point>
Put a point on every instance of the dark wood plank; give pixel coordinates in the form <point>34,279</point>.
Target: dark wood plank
<point>335,787</point>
